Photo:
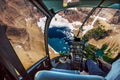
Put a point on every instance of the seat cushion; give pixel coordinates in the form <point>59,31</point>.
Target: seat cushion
<point>114,72</point>
<point>66,71</point>
<point>53,75</point>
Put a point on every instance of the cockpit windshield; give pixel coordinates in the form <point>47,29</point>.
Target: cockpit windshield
<point>99,32</point>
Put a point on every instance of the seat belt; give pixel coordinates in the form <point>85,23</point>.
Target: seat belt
<point>9,55</point>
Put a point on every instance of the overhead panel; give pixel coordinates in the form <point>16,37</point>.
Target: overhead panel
<point>89,3</point>
<point>58,5</point>
<point>115,6</point>
<point>111,4</point>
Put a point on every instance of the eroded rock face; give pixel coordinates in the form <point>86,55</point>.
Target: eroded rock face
<point>16,32</point>
<point>19,16</point>
<point>116,18</point>
<point>112,15</point>
<point>19,36</point>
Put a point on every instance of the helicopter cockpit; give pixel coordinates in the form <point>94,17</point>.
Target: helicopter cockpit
<point>63,38</point>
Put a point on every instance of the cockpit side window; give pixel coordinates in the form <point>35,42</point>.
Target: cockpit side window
<point>24,31</point>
